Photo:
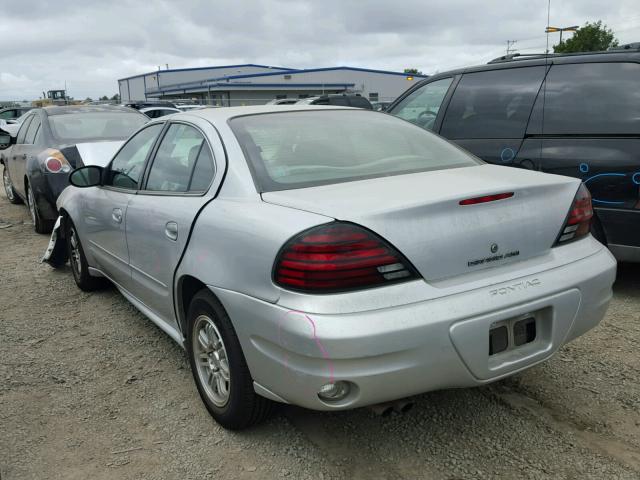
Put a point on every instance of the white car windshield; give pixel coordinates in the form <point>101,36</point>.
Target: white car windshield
<point>308,148</point>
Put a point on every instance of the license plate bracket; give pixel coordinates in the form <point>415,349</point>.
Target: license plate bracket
<point>513,333</point>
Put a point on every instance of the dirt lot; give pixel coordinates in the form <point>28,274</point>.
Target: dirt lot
<point>89,388</point>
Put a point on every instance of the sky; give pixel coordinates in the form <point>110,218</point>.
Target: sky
<point>89,44</point>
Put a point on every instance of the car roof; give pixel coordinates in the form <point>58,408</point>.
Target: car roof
<point>507,62</point>
<point>67,109</point>
<point>224,114</point>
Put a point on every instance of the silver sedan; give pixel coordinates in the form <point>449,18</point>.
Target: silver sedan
<point>333,258</point>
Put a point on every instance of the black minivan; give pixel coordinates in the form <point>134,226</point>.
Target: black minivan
<point>573,114</point>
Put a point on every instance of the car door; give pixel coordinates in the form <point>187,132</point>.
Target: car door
<point>17,158</point>
<point>591,130</point>
<point>105,208</point>
<point>160,217</point>
<point>30,149</point>
<point>489,112</point>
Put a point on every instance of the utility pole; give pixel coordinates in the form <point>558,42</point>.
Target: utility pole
<point>510,44</point>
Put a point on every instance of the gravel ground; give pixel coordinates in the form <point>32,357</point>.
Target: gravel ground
<point>89,388</point>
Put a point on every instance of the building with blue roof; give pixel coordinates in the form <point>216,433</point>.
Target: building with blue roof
<point>251,84</point>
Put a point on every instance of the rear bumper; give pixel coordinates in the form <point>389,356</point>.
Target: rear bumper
<point>396,352</point>
<point>46,189</point>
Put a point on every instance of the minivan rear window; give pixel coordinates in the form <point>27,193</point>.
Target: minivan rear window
<point>308,148</point>
<point>589,98</point>
<point>492,104</point>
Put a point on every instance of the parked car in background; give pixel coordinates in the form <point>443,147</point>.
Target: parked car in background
<point>341,100</point>
<point>186,108</point>
<point>333,258</point>
<point>380,106</point>
<point>282,101</point>
<point>11,113</point>
<point>140,105</point>
<point>571,114</point>
<point>157,112</point>
<point>51,142</point>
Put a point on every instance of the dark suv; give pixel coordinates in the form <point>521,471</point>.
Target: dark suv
<point>575,115</point>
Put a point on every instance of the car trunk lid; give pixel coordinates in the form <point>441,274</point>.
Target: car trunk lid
<point>421,215</point>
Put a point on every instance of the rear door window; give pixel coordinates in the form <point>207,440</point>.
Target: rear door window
<point>422,105</point>
<point>589,98</point>
<point>22,133</point>
<point>33,130</point>
<point>492,104</point>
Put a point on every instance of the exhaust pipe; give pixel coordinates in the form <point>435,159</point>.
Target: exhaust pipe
<point>398,406</point>
<point>402,406</point>
<point>382,409</point>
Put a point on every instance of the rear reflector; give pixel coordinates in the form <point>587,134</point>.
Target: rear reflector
<point>578,221</point>
<point>339,257</point>
<point>486,198</point>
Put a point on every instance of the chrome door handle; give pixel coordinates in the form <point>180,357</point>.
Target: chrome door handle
<point>117,215</point>
<point>171,230</point>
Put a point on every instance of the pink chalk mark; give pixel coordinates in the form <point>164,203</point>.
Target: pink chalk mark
<point>314,337</point>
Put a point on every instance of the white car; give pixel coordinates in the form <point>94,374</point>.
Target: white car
<point>333,258</point>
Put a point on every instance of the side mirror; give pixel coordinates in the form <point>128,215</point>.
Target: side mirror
<point>89,176</point>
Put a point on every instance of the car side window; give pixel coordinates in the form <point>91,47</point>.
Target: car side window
<point>126,167</point>
<point>492,104</point>
<point>175,159</point>
<point>33,130</point>
<point>589,98</point>
<point>422,105</point>
<point>22,133</point>
<point>8,114</point>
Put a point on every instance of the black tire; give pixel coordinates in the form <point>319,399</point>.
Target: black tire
<point>12,196</point>
<point>79,265</point>
<point>40,225</point>
<point>243,407</point>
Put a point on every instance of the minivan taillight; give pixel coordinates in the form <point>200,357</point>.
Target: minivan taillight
<point>578,221</point>
<point>339,257</point>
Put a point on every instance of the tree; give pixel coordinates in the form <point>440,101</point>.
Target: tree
<point>592,37</point>
<point>104,98</point>
<point>412,71</point>
<point>88,100</point>
<point>116,98</point>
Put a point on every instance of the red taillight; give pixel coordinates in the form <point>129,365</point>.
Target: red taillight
<point>55,161</point>
<point>338,257</point>
<point>486,198</point>
<point>578,221</point>
<point>53,165</point>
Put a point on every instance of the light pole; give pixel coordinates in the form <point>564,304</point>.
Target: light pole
<point>563,29</point>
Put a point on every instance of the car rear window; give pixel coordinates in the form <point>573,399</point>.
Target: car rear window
<point>309,148</point>
<point>95,125</point>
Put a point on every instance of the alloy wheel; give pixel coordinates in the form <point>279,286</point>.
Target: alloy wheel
<point>211,360</point>
<point>8,187</point>
<point>74,254</point>
<point>32,205</point>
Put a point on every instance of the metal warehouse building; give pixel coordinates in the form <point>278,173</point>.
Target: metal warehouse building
<point>250,84</point>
